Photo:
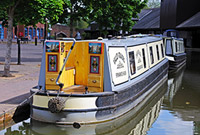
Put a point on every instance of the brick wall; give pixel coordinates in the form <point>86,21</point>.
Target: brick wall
<point>57,30</point>
<point>61,29</point>
<point>32,32</point>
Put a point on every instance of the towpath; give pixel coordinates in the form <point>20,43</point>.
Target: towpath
<point>14,90</point>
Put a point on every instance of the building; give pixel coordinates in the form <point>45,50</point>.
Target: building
<point>22,31</point>
<point>30,32</point>
<point>148,22</point>
<point>182,15</point>
<point>61,30</point>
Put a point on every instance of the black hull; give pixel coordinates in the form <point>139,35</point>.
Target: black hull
<point>179,60</point>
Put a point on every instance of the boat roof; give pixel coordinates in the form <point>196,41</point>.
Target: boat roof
<point>128,41</point>
<point>132,40</point>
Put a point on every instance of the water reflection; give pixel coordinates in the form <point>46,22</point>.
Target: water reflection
<point>180,113</point>
<point>174,84</point>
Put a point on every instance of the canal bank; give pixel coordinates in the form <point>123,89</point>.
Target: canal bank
<point>15,90</point>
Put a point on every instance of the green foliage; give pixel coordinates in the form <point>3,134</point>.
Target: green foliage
<point>27,12</point>
<point>80,24</point>
<point>30,12</point>
<point>115,14</point>
<point>75,11</point>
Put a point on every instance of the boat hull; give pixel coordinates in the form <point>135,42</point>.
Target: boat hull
<point>178,61</point>
<point>143,115</point>
<point>98,107</point>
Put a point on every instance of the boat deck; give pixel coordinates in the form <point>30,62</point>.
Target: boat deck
<point>75,89</point>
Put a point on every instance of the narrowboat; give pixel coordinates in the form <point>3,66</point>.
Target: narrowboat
<point>175,50</point>
<point>87,82</point>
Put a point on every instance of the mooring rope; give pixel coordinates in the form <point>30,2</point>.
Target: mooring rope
<point>30,97</point>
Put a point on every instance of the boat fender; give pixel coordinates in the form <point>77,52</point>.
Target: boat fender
<point>56,104</point>
<point>76,125</point>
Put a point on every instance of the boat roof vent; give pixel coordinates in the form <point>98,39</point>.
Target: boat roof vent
<point>100,38</point>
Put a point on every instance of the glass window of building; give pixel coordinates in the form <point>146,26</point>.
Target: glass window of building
<point>34,32</point>
<point>26,32</point>
<point>30,33</point>
<point>38,33</point>
<point>41,32</point>
<point>1,32</point>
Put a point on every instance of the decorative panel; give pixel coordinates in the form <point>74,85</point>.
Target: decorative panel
<point>52,46</point>
<point>118,64</point>
<point>95,48</point>
<point>94,64</point>
<point>52,63</point>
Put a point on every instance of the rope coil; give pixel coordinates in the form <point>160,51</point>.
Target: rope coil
<point>56,104</point>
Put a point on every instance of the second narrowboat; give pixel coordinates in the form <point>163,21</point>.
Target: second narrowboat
<point>175,50</point>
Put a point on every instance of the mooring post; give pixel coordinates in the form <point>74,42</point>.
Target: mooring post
<point>19,52</point>
<point>35,41</point>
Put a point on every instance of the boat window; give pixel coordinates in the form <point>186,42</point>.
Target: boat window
<point>132,62</point>
<point>161,45</point>
<point>176,45</point>
<point>179,46</point>
<point>144,59</point>
<point>151,54</point>
<point>157,52</point>
<point>168,47</point>
<point>182,47</point>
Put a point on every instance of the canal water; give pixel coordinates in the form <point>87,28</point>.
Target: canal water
<point>173,109</point>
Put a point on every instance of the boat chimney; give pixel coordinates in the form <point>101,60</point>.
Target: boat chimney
<point>100,38</point>
<point>109,37</point>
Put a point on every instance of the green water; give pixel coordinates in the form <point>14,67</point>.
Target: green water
<point>173,110</point>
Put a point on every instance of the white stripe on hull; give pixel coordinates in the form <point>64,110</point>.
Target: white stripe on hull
<point>71,102</point>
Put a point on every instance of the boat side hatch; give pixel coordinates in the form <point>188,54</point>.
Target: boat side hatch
<point>56,53</point>
<point>95,74</point>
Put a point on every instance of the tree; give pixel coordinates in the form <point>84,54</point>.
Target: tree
<point>74,11</point>
<point>115,14</point>
<point>27,12</point>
